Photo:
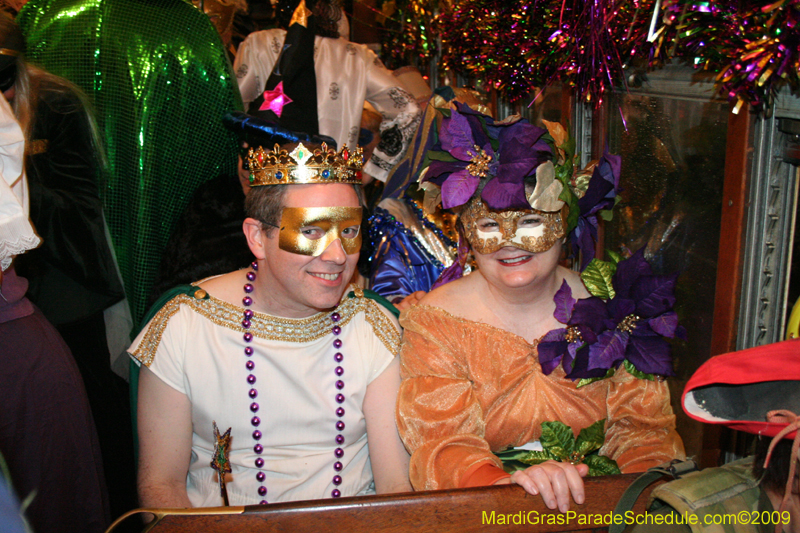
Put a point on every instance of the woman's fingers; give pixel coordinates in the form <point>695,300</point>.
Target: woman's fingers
<point>410,300</point>
<point>573,474</point>
<point>555,481</point>
<point>523,480</point>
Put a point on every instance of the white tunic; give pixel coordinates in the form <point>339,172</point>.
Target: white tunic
<point>196,347</point>
<point>347,75</point>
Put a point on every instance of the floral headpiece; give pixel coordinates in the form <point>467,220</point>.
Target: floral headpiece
<point>503,160</point>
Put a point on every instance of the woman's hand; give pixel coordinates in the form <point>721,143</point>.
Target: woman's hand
<point>555,481</point>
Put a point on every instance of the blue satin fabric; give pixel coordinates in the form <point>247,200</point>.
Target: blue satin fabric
<point>399,263</point>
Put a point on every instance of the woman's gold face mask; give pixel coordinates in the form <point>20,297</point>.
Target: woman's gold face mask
<point>310,230</point>
<point>531,230</point>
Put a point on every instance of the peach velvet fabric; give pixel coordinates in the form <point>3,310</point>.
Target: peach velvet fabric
<point>470,389</point>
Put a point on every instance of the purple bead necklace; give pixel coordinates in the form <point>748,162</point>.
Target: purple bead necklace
<point>253,393</point>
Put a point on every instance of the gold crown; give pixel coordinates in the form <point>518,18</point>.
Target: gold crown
<point>303,165</point>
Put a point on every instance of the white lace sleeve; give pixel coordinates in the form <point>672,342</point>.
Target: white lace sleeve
<point>16,232</point>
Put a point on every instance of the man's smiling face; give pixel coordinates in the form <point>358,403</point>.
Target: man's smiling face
<point>300,285</point>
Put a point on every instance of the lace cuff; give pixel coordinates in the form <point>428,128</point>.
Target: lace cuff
<point>16,237</point>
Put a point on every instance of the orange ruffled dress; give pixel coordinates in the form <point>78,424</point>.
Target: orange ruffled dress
<point>470,389</point>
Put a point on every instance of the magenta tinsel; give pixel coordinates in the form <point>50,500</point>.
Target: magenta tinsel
<point>407,36</point>
<point>517,47</point>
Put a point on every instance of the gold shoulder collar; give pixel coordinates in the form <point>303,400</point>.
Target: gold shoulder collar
<point>384,327</point>
<point>146,350</point>
<point>267,326</point>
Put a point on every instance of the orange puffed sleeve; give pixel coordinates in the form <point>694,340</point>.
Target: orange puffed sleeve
<point>641,430</point>
<point>438,415</point>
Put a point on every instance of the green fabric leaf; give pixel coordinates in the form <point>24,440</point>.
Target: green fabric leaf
<point>601,466</point>
<point>557,439</point>
<point>591,438</point>
<point>512,466</point>
<point>633,371</point>
<point>614,256</point>
<point>586,381</point>
<point>534,457</point>
<point>608,214</point>
<point>563,174</point>
<point>560,444</point>
<point>494,142</point>
<point>598,278</point>
<point>440,156</point>
<point>514,454</point>
<point>519,459</point>
<point>569,146</point>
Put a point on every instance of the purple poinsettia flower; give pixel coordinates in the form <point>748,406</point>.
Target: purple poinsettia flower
<point>522,151</point>
<point>470,138</point>
<point>598,197</point>
<point>584,319</point>
<point>458,138</point>
<point>639,317</point>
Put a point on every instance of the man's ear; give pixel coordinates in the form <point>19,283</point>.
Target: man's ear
<point>254,232</point>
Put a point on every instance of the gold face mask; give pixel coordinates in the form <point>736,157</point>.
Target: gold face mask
<point>530,229</point>
<point>310,230</point>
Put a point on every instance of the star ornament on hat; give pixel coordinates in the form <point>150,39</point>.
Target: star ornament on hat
<point>301,15</point>
<point>275,100</point>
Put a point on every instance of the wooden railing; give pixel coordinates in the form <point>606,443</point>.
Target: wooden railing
<point>506,508</point>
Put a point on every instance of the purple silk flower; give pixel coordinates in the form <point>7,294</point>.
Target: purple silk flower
<point>599,196</point>
<point>639,316</point>
<point>569,346</point>
<point>470,138</point>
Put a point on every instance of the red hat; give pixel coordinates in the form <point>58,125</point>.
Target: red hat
<point>738,389</point>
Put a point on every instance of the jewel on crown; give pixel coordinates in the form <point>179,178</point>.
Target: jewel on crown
<point>304,165</point>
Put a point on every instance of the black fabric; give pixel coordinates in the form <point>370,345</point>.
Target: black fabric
<point>72,274</point>
<point>208,238</point>
<point>295,68</point>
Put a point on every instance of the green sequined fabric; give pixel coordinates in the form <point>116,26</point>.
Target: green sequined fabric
<point>160,82</point>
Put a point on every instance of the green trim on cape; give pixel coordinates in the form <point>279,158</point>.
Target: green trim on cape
<point>372,295</point>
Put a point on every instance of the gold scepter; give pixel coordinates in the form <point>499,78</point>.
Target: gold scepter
<point>220,461</point>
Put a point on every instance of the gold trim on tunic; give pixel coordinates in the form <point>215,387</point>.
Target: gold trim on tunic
<point>270,327</point>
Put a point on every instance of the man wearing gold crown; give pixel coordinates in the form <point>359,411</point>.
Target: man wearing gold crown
<point>301,367</point>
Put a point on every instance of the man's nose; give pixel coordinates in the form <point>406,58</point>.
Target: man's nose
<point>334,253</point>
